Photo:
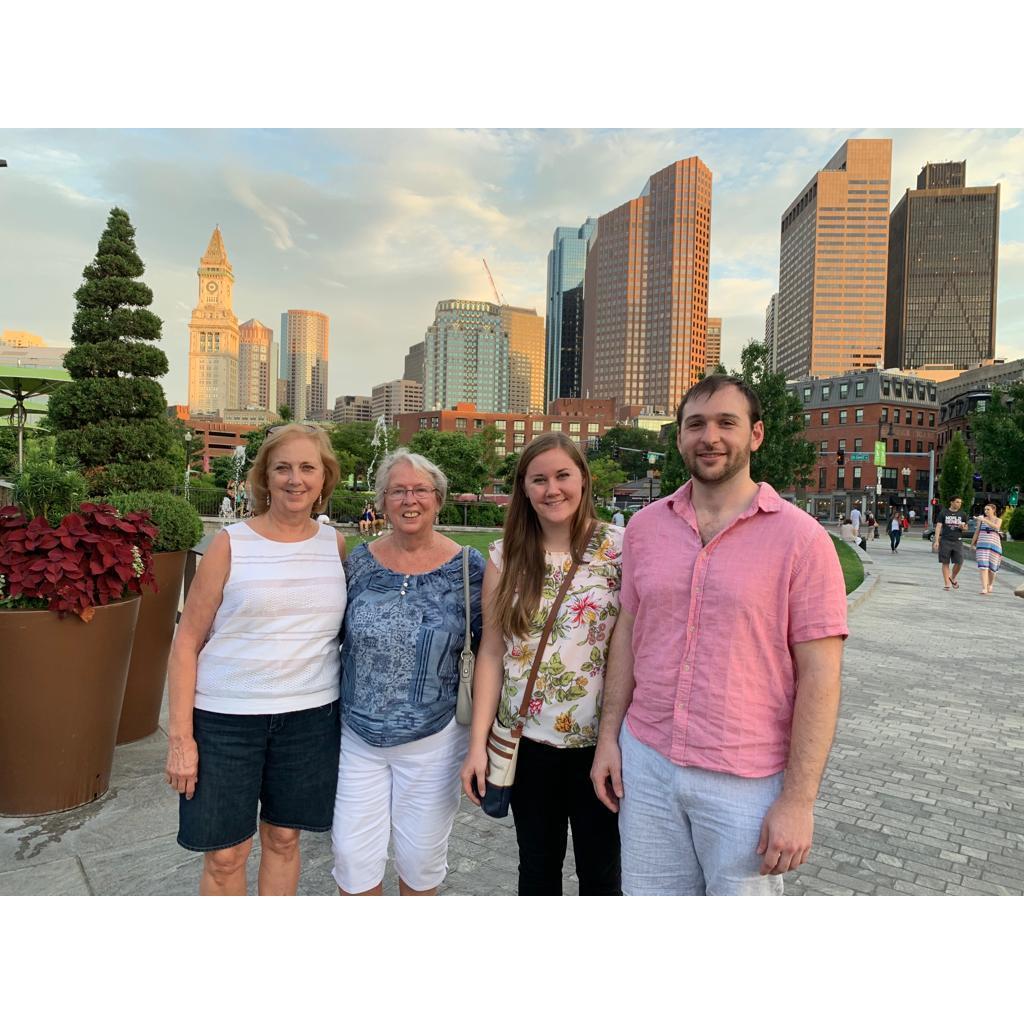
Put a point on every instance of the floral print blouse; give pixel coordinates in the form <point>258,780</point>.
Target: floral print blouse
<point>565,708</point>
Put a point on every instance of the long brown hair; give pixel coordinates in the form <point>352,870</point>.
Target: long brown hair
<point>522,551</point>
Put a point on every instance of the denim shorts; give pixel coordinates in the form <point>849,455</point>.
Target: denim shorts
<point>285,765</point>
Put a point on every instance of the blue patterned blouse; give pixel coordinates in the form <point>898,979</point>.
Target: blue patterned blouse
<point>402,641</point>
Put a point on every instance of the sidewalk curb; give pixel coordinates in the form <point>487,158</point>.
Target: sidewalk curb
<point>857,597</point>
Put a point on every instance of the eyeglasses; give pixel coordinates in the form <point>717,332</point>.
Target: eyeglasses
<point>419,493</point>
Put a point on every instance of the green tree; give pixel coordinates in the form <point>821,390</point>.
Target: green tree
<point>606,475</point>
<point>353,445</point>
<point>222,468</point>
<point>507,472</point>
<point>785,459</point>
<point>998,435</point>
<point>487,441</point>
<point>673,470</point>
<point>111,418</point>
<point>614,443</point>
<point>285,412</point>
<point>956,478</point>
<point>459,456</point>
<point>8,451</point>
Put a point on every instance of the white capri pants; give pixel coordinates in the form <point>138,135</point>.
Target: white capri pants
<point>412,790</point>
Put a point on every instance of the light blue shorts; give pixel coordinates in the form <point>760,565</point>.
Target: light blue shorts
<point>689,831</point>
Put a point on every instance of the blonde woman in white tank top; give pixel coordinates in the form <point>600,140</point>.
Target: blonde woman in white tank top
<point>253,675</point>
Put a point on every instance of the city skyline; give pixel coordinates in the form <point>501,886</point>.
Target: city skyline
<point>351,223</point>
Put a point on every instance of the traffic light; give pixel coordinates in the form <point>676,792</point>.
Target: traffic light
<point>840,457</point>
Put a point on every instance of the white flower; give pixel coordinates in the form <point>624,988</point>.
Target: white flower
<point>137,565</point>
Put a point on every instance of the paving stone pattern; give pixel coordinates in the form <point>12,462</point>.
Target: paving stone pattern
<point>923,794</point>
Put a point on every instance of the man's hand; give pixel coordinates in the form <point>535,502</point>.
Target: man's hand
<point>786,836</point>
<point>606,774</point>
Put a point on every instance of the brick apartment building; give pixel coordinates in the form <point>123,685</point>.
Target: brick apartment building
<point>584,420</point>
<point>850,413</point>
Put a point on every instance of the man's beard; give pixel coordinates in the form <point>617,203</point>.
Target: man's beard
<point>733,464</point>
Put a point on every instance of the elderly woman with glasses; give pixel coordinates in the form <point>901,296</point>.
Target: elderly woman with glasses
<point>405,628</point>
<point>253,676</point>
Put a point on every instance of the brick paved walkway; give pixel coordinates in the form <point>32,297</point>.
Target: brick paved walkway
<point>924,792</point>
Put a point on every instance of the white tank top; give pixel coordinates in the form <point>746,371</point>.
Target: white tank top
<point>274,645</point>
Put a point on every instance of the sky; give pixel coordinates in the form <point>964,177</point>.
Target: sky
<point>374,226</point>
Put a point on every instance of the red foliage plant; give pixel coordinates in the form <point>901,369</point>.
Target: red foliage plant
<point>94,557</point>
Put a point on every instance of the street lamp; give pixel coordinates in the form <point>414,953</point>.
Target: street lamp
<point>188,459</point>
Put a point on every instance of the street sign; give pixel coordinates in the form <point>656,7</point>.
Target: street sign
<point>1014,497</point>
<point>879,453</point>
<point>858,456</point>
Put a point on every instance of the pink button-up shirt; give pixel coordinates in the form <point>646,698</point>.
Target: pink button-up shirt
<point>715,627</point>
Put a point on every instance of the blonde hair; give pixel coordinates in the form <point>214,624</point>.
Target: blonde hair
<point>276,436</point>
<point>517,597</point>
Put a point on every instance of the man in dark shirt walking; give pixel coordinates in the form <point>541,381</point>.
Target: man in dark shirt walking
<point>949,531</point>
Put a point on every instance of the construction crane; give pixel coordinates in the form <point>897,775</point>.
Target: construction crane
<point>494,287</point>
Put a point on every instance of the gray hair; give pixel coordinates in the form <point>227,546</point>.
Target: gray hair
<point>418,462</point>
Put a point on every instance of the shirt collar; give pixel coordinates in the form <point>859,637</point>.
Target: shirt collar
<point>767,500</point>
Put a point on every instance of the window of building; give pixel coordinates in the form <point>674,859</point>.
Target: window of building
<point>807,419</point>
<point>895,415</point>
<point>460,423</point>
<point>931,419</point>
<point>842,415</point>
<point>842,444</point>
<point>856,478</point>
<point>538,426</point>
<point>898,388</point>
<point>555,428</point>
<point>844,390</point>
<point>574,428</point>
<point>895,444</point>
<point>885,386</point>
<point>593,428</point>
<point>826,392</point>
<point>499,424</point>
<point>807,394</point>
<point>824,419</point>
<point>821,478</point>
<point>824,446</point>
<point>518,438</point>
<point>906,445</point>
<point>519,425</point>
<point>858,444</point>
<point>920,446</point>
<point>499,449</point>
<point>920,418</point>
<point>858,415</point>
<point>423,423</point>
<point>884,417</point>
<point>858,389</point>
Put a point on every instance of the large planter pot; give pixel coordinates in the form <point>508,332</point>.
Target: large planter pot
<point>61,687</point>
<point>140,713</point>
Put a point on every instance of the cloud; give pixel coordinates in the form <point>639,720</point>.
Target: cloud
<point>274,221</point>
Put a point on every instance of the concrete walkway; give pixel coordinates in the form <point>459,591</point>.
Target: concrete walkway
<point>924,792</point>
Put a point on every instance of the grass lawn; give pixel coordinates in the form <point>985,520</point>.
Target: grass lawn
<point>474,540</point>
<point>1014,549</point>
<point>853,571</point>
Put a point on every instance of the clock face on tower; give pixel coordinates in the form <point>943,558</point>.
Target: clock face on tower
<point>211,287</point>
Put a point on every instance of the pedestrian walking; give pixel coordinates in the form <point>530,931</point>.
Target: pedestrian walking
<point>988,547</point>
<point>551,541</point>
<point>895,530</point>
<point>950,527</point>
<point>708,750</point>
<point>855,520</point>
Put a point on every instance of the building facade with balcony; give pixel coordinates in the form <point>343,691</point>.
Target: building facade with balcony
<point>851,413</point>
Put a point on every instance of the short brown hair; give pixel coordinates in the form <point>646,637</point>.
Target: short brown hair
<point>715,382</point>
<point>257,475</point>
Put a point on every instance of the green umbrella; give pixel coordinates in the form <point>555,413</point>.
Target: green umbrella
<point>22,384</point>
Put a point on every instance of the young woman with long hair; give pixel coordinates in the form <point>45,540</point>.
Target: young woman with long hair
<point>550,525</point>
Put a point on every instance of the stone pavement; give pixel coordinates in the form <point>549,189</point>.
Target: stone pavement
<point>924,791</point>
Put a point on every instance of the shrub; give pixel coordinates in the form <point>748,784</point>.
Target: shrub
<point>347,506</point>
<point>49,491</point>
<point>93,557</point>
<point>483,513</point>
<point>178,523</point>
<point>1015,527</point>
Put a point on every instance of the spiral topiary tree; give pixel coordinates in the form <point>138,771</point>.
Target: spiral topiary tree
<point>112,416</point>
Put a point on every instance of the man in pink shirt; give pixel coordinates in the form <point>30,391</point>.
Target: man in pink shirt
<point>726,655</point>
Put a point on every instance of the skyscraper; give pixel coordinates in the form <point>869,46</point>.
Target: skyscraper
<point>395,397</point>
<point>213,335</point>
<point>257,367</point>
<point>526,358</point>
<point>414,363</point>
<point>305,335</point>
<point>466,357</point>
<point>943,260</point>
<point>771,334</point>
<point>834,244</point>
<point>567,262</point>
<point>646,292</point>
<point>714,346</point>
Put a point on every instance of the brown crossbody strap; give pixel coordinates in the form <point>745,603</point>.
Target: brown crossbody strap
<point>517,730</point>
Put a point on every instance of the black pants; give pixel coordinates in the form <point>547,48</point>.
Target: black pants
<point>552,791</point>
<point>894,538</point>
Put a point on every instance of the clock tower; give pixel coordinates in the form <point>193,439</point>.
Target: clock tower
<point>213,335</point>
